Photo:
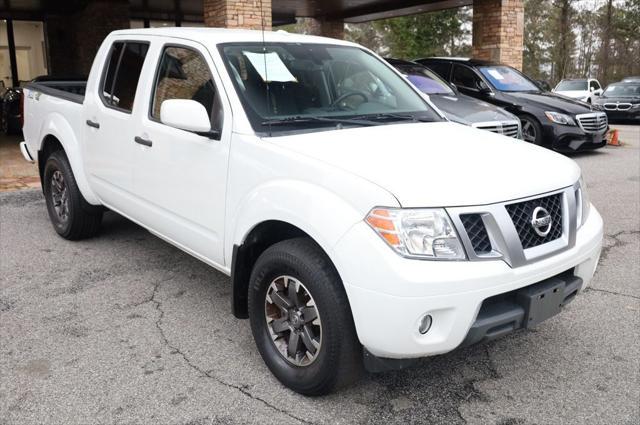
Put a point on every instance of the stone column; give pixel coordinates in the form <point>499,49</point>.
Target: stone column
<point>237,14</point>
<point>498,31</point>
<point>326,28</point>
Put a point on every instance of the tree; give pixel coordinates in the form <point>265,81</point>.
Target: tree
<point>563,39</point>
<point>536,38</point>
<point>444,32</point>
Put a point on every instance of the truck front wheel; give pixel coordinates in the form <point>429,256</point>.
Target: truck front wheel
<point>71,215</point>
<point>301,320</point>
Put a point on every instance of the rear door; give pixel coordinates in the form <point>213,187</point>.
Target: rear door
<point>110,123</point>
<point>180,177</point>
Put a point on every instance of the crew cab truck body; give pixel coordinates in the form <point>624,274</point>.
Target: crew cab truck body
<point>358,226</point>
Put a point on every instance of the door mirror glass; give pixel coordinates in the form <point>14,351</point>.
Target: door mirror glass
<point>185,114</point>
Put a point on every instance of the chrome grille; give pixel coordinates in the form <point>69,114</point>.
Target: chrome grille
<point>522,213</point>
<point>617,106</point>
<point>507,128</point>
<point>593,123</point>
<point>477,233</point>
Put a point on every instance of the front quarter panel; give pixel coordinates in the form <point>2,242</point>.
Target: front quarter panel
<point>268,182</point>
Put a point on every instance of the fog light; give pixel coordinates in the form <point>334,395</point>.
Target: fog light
<point>425,324</point>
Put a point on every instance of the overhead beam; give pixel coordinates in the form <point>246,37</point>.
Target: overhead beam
<point>378,11</point>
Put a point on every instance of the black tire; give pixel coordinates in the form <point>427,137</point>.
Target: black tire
<point>338,361</point>
<point>82,220</point>
<point>530,123</point>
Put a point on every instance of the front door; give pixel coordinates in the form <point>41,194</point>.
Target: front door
<point>180,177</point>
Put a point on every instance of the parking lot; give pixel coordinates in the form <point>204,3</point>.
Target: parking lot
<point>124,328</point>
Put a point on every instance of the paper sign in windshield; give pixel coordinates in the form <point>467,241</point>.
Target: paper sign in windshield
<point>495,74</point>
<point>270,67</point>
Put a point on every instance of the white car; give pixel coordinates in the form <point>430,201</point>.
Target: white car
<point>358,226</point>
<point>586,90</point>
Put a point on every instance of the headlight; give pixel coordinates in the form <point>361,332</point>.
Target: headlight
<point>417,233</point>
<point>583,203</point>
<point>559,118</point>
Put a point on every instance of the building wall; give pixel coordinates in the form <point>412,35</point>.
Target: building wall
<point>498,31</point>
<point>74,40</point>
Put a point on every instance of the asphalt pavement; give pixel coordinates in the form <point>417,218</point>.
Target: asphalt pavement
<point>124,328</point>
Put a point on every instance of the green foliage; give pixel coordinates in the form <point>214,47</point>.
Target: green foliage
<point>429,34</point>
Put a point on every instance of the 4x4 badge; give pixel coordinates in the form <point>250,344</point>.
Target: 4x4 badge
<point>541,221</point>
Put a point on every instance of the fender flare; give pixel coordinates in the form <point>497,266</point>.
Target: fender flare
<point>56,125</point>
<point>318,212</point>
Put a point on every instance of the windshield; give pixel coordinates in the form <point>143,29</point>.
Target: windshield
<point>575,85</point>
<point>622,90</point>
<point>505,78</point>
<point>305,85</point>
<point>426,80</point>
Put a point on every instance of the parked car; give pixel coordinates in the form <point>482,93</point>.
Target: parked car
<point>621,101</point>
<point>548,119</point>
<point>11,111</point>
<point>458,107</point>
<point>631,79</point>
<point>586,90</point>
<point>357,225</point>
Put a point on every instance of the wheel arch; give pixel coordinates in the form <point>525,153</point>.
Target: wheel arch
<point>261,237</point>
<point>57,134</point>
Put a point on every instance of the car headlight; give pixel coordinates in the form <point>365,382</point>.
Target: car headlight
<point>583,203</point>
<point>559,118</point>
<point>417,233</point>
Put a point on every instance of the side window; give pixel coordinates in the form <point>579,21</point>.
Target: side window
<point>123,73</point>
<point>465,77</point>
<point>184,74</point>
<point>594,85</point>
<point>440,68</point>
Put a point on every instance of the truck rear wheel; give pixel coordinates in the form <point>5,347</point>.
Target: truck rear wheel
<point>71,215</point>
<point>301,320</point>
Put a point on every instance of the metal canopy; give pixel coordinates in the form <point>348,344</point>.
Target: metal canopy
<point>284,11</point>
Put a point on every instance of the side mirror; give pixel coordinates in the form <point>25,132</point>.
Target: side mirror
<point>187,115</point>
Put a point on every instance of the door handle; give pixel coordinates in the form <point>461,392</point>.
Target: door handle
<point>93,124</point>
<point>142,141</point>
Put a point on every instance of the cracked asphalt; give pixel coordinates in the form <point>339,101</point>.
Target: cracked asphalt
<point>124,328</point>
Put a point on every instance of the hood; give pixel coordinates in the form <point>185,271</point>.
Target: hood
<point>467,110</point>
<point>438,164</point>
<point>550,101</point>
<point>617,99</point>
<point>574,94</point>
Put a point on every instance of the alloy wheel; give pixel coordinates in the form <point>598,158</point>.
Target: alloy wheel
<point>293,320</point>
<point>528,131</point>
<point>60,196</point>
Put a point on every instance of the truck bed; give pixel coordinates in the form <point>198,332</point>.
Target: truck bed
<point>72,90</point>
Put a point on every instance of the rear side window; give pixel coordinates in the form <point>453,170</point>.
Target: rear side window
<point>184,74</point>
<point>122,74</point>
<point>465,77</point>
<point>440,68</point>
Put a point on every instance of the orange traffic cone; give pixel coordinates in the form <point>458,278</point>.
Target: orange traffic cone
<point>613,138</point>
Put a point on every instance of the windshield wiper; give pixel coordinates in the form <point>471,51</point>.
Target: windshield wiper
<point>302,120</point>
<point>393,116</point>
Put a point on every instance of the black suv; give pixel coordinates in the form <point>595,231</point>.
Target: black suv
<point>547,119</point>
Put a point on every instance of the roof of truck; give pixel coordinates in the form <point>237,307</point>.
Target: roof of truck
<point>227,35</point>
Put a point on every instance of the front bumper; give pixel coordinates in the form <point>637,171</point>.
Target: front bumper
<point>390,296</point>
<point>574,139</point>
<point>632,115</point>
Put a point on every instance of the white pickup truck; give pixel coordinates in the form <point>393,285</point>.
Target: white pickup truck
<point>358,226</point>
